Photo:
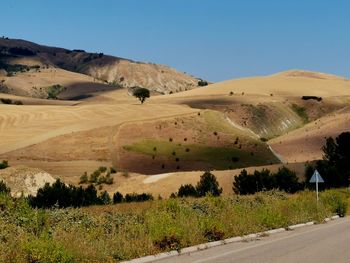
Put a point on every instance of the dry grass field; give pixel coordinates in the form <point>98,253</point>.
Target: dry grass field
<point>111,128</point>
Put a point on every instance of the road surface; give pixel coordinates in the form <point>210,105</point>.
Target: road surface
<point>311,244</point>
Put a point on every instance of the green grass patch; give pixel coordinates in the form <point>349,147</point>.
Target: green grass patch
<point>218,157</point>
<point>301,111</point>
<point>216,123</point>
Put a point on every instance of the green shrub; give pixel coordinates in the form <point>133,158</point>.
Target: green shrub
<point>4,164</point>
<point>336,201</point>
<point>83,179</point>
<point>46,250</point>
<point>4,188</point>
<point>54,90</point>
<point>117,198</point>
<point>187,190</point>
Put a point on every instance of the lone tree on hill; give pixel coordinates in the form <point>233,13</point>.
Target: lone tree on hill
<point>141,94</point>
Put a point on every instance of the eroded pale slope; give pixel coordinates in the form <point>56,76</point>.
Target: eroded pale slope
<point>305,144</point>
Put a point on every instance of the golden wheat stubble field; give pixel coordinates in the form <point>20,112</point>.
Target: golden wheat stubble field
<point>67,140</point>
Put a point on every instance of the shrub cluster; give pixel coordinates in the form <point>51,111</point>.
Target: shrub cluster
<point>334,168</point>
<point>20,51</point>
<point>133,197</point>
<point>54,90</point>
<point>202,83</point>
<point>61,195</point>
<point>100,176</point>
<point>311,98</point>
<point>207,185</point>
<point>9,101</point>
<point>4,164</point>
<point>284,180</point>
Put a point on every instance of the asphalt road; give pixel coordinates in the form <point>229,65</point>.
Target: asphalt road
<point>311,244</point>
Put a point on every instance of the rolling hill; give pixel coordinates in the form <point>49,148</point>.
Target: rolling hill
<point>29,69</point>
<point>250,122</point>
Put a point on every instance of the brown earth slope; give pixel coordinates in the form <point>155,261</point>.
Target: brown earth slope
<point>46,66</point>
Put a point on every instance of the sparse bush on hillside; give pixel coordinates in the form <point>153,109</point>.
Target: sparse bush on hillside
<point>311,98</point>
<point>54,90</point>
<point>100,176</point>
<point>4,164</point>
<point>9,101</point>
<point>12,69</point>
<point>202,83</point>
<point>19,51</point>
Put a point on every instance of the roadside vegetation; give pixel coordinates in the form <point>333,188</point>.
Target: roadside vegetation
<point>139,225</point>
<point>125,231</point>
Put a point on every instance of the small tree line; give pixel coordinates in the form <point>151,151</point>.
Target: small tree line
<point>61,195</point>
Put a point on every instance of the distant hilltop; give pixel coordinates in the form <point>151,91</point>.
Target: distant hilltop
<point>58,66</point>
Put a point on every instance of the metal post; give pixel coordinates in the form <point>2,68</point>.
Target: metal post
<point>317,188</point>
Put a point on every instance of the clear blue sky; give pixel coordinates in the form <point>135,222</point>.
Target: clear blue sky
<point>212,39</point>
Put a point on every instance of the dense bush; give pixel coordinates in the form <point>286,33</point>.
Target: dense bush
<point>4,164</point>
<point>202,83</point>
<point>21,51</point>
<point>311,98</point>
<point>187,190</point>
<point>9,101</point>
<point>141,94</point>
<point>208,185</point>
<point>284,180</point>
<point>100,176</point>
<point>334,168</point>
<point>3,188</point>
<point>137,197</point>
<point>117,198</point>
<point>60,195</point>
<point>54,90</point>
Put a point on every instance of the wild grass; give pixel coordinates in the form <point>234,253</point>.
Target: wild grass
<point>301,111</point>
<point>218,157</point>
<point>120,232</point>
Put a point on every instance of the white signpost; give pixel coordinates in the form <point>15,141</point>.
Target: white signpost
<point>316,178</point>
